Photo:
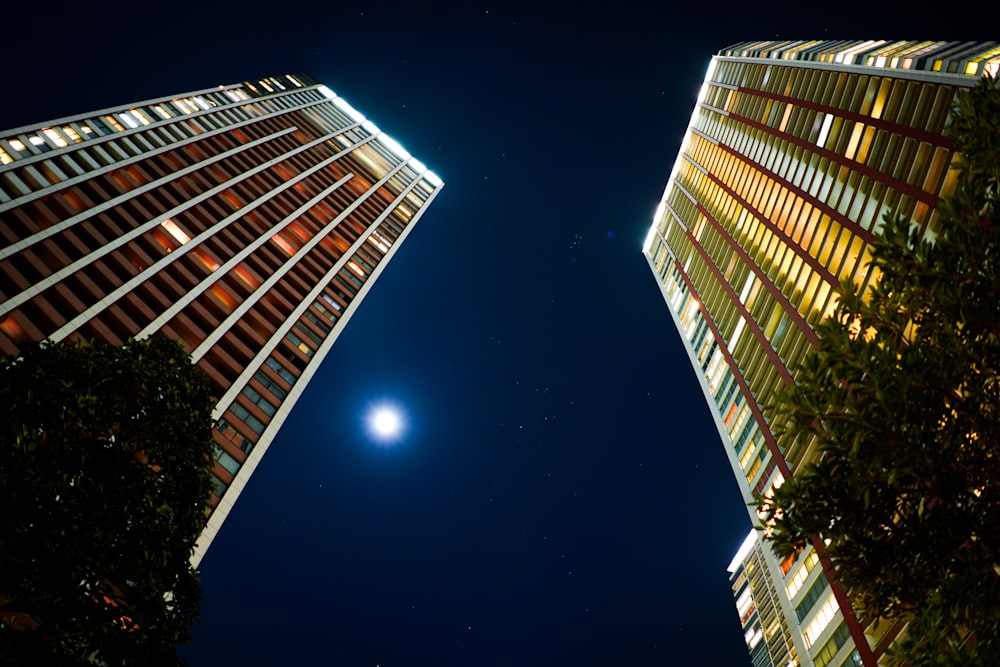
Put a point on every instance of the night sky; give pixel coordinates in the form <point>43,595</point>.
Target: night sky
<point>560,496</point>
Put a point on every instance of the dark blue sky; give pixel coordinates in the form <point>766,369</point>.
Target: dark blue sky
<point>561,496</point>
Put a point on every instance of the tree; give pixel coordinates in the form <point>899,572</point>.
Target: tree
<point>104,483</point>
<point>903,400</point>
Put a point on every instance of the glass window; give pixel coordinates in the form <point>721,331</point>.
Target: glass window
<point>270,385</point>
<point>228,462</point>
<point>282,372</point>
<point>259,401</point>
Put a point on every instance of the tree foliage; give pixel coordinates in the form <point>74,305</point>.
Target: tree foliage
<point>104,459</point>
<point>903,401</point>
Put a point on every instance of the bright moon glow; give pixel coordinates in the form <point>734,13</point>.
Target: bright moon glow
<point>385,423</point>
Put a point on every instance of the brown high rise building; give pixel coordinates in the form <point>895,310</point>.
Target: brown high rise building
<point>248,221</point>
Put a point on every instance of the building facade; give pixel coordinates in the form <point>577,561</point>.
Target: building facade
<point>762,617</point>
<point>248,221</point>
<point>795,152</point>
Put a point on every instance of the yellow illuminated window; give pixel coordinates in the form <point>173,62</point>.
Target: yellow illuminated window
<point>185,105</point>
<point>243,274</point>
<point>866,142</point>
<point>852,143</point>
<point>283,244</point>
<point>776,192</point>
<point>113,122</point>
<point>879,103</point>
<point>227,299</point>
<point>72,134</point>
<point>938,165</point>
<point>851,263</point>
<point>799,288</point>
<point>140,116</point>
<point>174,229</point>
<point>205,259</point>
<point>784,118</point>
<point>56,138</point>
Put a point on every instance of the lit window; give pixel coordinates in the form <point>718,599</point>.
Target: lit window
<point>823,618</point>
<point>329,299</point>
<point>246,277</point>
<point>56,138</point>
<point>205,259</point>
<point>175,231</point>
<point>72,134</point>
<point>378,244</point>
<point>140,116</point>
<point>185,106</point>
<point>129,120</point>
<point>824,131</point>
<point>111,120</point>
<point>283,244</point>
<point>300,344</point>
<point>223,296</point>
<point>784,119</point>
<point>811,597</point>
<point>233,95</point>
<point>793,586</point>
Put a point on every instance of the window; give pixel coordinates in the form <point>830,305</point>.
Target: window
<point>270,385</point>
<point>282,372</point>
<point>308,333</point>
<point>832,645</point>
<point>218,486</point>
<point>226,461</point>
<point>233,436</point>
<point>811,597</point>
<point>298,343</point>
<point>241,413</point>
<point>259,401</point>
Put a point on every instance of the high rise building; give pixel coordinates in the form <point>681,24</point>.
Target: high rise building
<point>795,152</point>
<point>764,622</point>
<point>248,221</point>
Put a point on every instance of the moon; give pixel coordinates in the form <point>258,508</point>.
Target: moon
<point>386,423</point>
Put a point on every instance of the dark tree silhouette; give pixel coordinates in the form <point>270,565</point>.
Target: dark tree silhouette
<point>104,482</point>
